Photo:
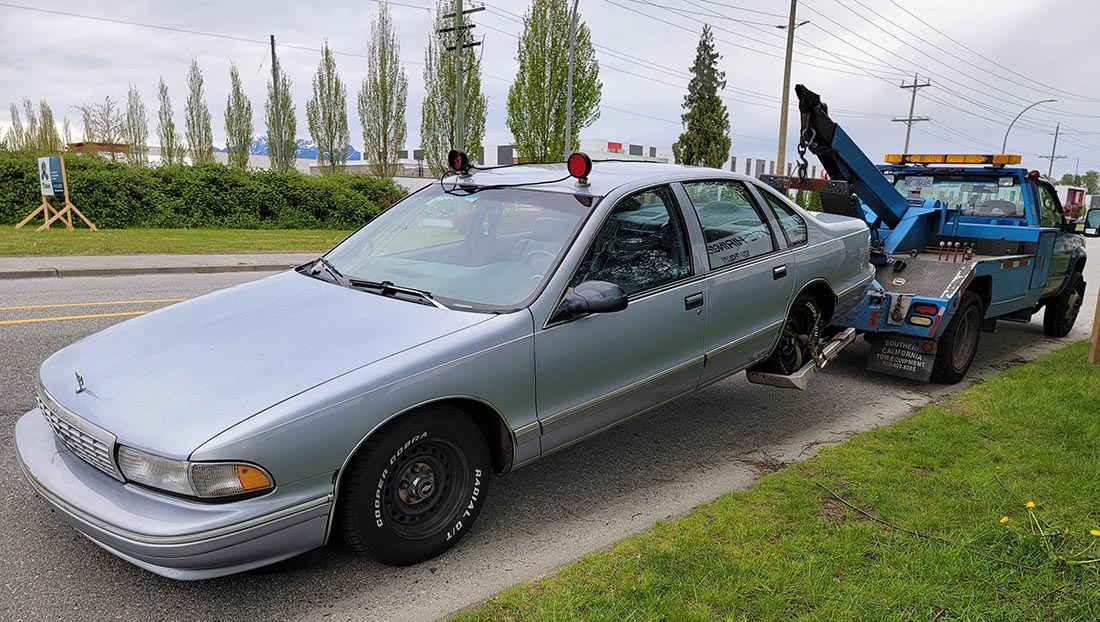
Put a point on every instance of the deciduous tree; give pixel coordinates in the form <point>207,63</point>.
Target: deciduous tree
<point>438,131</point>
<point>536,100</point>
<point>171,151</point>
<point>238,121</point>
<point>282,145</point>
<point>200,135</point>
<point>705,140</point>
<point>103,123</point>
<point>382,98</point>
<point>327,114</point>
<point>137,128</point>
<point>16,140</point>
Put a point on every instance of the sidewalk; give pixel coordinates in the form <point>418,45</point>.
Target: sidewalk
<point>33,267</point>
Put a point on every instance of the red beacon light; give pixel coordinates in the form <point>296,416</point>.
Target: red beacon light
<point>579,165</point>
<point>1033,175</point>
<point>459,161</point>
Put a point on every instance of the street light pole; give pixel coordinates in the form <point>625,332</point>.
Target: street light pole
<point>1004,145</point>
<point>569,83</point>
<point>786,96</point>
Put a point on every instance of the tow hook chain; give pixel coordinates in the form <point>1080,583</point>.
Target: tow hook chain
<point>803,142</point>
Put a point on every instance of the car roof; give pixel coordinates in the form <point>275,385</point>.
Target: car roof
<point>605,177</point>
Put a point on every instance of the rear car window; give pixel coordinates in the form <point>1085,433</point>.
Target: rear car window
<point>733,226</point>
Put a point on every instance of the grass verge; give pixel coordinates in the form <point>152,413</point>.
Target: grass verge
<point>788,549</point>
<point>27,241</point>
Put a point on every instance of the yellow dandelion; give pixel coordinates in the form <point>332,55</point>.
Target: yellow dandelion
<point>1029,504</point>
<point>1004,519</point>
<point>1094,533</point>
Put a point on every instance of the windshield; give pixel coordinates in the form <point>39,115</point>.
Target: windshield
<point>488,250</point>
<point>978,195</point>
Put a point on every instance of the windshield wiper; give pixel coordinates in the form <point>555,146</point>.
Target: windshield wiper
<point>321,262</point>
<point>387,288</point>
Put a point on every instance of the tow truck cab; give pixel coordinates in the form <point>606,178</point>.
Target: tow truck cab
<point>958,242</point>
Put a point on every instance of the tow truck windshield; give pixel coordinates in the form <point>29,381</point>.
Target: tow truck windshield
<point>979,196</point>
<point>485,251</point>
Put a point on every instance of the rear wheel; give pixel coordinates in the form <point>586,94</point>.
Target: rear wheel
<point>1061,312</point>
<point>415,488</point>
<point>801,332</point>
<point>959,343</point>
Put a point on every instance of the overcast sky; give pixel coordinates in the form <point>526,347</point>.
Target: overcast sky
<point>854,57</point>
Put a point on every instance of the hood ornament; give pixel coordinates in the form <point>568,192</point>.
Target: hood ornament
<point>79,383</point>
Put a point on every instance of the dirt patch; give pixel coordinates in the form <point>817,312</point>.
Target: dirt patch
<point>832,511</point>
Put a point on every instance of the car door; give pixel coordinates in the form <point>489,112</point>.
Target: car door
<point>595,370</point>
<point>751,276</point>
<point>1052,241</point>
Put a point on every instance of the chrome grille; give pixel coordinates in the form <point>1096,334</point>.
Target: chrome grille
<point>90,443</point>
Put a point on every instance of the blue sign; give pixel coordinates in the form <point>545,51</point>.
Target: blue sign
<point>49,176</point>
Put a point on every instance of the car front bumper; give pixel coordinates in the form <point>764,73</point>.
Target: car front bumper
<point>171,537</point>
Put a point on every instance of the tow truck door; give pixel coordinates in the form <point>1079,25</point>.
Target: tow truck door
<point>1052,255</point>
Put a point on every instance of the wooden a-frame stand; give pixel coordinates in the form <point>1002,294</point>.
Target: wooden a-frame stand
<point>65,214</point>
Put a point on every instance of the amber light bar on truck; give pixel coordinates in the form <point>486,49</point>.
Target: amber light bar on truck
<point>952,158</point>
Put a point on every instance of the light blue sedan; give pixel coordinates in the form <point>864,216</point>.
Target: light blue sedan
<point>477,325</point>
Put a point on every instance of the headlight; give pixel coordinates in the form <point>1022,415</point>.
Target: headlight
<point>194,479</point>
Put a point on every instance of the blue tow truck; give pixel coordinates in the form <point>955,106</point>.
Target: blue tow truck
<point>959,243</point>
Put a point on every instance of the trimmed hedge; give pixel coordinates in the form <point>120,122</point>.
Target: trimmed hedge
<point>115,195</point>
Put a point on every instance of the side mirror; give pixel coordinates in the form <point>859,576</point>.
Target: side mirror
<point>1092,224</point>
<point>590,297</point>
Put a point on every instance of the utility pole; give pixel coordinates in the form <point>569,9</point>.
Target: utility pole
<point>781,157</point>
<point>569,82</point>
<point>1053,150</point>
<point>461,30</point>
<point>276,104</point>
<point>910,120</point>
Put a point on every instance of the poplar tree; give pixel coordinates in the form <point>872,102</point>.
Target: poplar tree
<point>705,140</point>
<point>16,140</point>
<point>137,128</point>
<point>238,121</point>
<point>30,132</point>
<point>48,139</point>
<point>382,98</point>
<point>536,100</point>
<point>327,114</point>
<point>281,123</point>
<point>438,131</point>
<point>200,136</point>
<point>171,151</point>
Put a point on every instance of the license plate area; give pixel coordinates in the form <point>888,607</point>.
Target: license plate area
<point>903,356</point>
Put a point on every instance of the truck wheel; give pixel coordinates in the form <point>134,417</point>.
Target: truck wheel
<point>802,328</point>
<point>415,487</point>
<point>1061,312</point>
<point>959,343</point>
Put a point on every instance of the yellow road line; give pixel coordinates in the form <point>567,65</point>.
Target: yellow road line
<point>93,304</point>
<point>71,317</point>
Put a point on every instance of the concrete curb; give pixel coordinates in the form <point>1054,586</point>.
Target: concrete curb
<point>41,273</point>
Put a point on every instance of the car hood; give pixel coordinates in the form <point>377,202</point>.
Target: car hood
<point>170,380</point>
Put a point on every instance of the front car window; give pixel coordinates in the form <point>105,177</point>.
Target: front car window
<point>733,227</point>
<point>979,196</point>
<point>488,250</point>
<point>641,246</point>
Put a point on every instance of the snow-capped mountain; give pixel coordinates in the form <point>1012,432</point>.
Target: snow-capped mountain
<point>307,149</point>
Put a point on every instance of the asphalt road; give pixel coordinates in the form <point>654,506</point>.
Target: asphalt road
<point>653,467</point>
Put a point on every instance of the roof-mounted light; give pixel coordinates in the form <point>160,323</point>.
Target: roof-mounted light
<point>459,162</point>
<point>1033,175</point>
<point>952,158</point>
<point>579,165</point>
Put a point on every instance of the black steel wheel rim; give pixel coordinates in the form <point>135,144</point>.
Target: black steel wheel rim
<point>424,489</point>
<point>796,335</point>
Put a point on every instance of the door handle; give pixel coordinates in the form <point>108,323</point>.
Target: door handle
<point>779,272</point>
<point>693,301</point>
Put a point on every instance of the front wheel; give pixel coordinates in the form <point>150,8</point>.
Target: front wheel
<point>415,488</point>
<point>1061,313</point>
<point>959,343</point>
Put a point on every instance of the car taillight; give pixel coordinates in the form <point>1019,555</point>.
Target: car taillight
<point>926,309</point>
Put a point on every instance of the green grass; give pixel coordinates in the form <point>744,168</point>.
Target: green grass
<point>785,549</point>
<point>58,241</point>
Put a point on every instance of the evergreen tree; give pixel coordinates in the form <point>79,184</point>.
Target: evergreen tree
<point>137,128</point>
<point>438,131</point>
<point>200,135</point>
<point>238,121</point>
<point>705,140</point>
<point>171,151</point>
<point>536,100</point>
<point>382,98</point>
<point>327,114</point>
<point>282,145</point>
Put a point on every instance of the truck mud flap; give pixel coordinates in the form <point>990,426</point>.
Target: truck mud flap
<point>801,378</point>
<point>903,356</point>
